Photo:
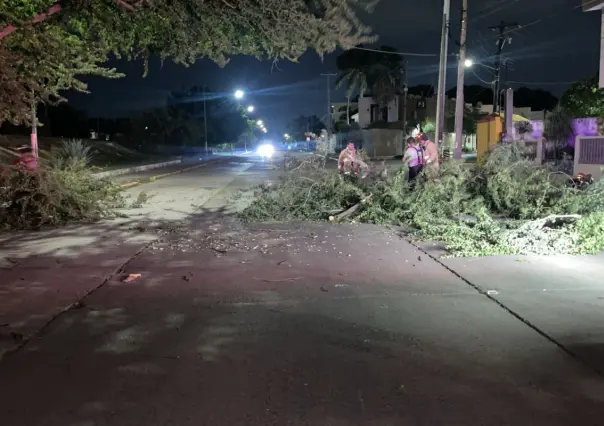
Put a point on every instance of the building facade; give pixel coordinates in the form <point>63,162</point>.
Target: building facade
<point>597,6</point>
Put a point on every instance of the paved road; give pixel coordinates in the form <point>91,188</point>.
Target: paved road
<point>288,325</point>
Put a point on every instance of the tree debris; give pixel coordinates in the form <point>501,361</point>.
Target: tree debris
<point>504,205</point>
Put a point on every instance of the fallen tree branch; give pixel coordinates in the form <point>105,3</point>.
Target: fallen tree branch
<point>345,213</point>
<point>350,211</point>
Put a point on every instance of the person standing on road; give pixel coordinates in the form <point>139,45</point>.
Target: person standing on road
<point>414,157</point>
<point>430,152</point>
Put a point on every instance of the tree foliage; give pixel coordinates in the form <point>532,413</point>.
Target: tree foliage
<point>299,126</point>
<point>584,99</point>
<point>503,205</point>
<point>558,126</point>
<point>45,45</point>
<point>379,71</point>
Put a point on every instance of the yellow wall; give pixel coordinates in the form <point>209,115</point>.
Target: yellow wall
<point>487,135</point>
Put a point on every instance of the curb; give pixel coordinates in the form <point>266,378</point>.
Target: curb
<point>135,169</point>
<point>161,176</point>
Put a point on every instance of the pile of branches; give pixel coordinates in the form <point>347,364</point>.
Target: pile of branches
<point>502,205</point>
<point>63,190</point>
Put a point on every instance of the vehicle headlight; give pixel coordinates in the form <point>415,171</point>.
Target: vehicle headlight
<point>266,150</point>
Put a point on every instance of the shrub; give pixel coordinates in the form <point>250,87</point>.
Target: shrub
<point>62,191</point>
<point>69,154</point>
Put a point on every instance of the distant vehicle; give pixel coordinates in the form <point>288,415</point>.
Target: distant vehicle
<point>266,151</point>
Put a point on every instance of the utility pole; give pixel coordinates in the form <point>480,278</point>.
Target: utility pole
<point>459,97</point>
<point>329,100</point>
<point>34,125</point>
<point>405,103</point>
<point>405,93</point>
<point>601,82</point>
<point>500,44</point>
<point>442,76</point>
<point>205,119</point>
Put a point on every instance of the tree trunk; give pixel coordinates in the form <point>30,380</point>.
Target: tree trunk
<point>348,109</point>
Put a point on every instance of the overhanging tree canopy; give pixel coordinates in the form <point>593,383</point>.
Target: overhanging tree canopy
<point>45,45</point>
<point>584,99</point>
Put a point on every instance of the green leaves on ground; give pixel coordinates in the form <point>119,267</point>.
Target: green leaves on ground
<point>503,205</point>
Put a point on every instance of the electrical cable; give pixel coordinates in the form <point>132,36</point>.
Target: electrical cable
<point>427,55</point>
<point>553,83</point>
<point>478,77</point>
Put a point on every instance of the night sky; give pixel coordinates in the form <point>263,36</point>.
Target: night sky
<point>558,44</point>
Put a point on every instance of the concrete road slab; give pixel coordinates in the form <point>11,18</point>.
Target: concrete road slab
<point>197,340</point>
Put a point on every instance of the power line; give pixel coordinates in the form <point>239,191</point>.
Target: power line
<point>495,8</point>
<point>427,55</point>
<point>478,77</point>
<point>553,83</point>
<point>537,21</point>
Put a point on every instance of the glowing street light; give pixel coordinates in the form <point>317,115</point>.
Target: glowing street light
<point>468,63</point>
<point>239,94</point>
<point>286,136</point>
<point>260,123</point>
<point>250,108</point>
<point>264,129</point>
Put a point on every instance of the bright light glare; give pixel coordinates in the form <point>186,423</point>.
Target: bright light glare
<point>239,94</point>
<point>468,63</point>
<point>285,135</point>
<point>266,150</point>
<point>264,129</point>
<point>260,123</point>
<point>250,108</point>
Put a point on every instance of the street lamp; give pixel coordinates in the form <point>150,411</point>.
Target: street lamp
<point>250,108</point>
<point>239,94</point>
<point>468,63</point>
<point>260,123</point>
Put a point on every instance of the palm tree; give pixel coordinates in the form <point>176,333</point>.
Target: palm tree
<point>355,80</point>
<point>360,69</point>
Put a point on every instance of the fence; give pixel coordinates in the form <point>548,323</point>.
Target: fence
<point>589,155</point>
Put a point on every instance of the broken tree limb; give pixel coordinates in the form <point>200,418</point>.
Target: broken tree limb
<point>350,211</point>
<point>552,221</point>
<point>345,213</point>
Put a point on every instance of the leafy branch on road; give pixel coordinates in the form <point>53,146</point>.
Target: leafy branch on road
<point>504,205</point>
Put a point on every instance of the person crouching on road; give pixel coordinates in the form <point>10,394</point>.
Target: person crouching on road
<point>414,157</point>
<point>347,159</point>
<point>350,161</point>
